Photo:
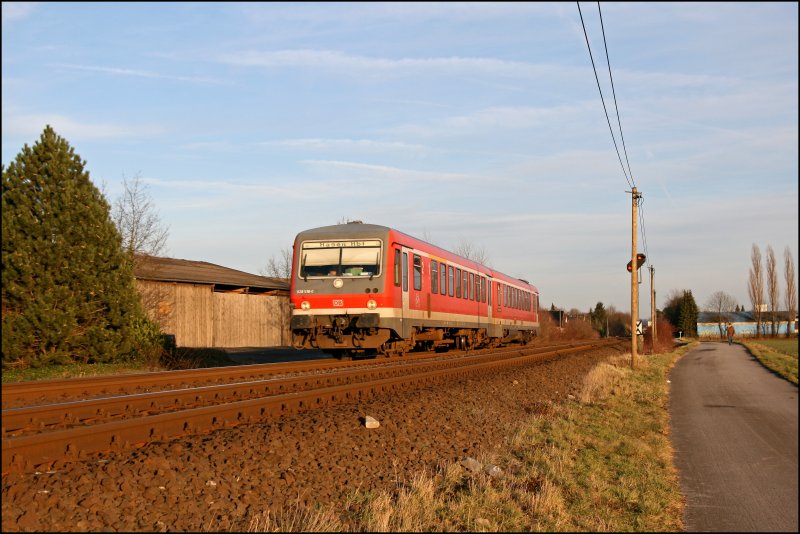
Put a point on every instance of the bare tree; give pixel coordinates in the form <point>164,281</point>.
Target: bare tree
<point>143,237</point>
<point>280,267</point>
<point>467,250</point>
<point>791,289</point>
<point>137,220</point>
<point>772,290</point>
<point>720,304</point>
<point>755,286</point>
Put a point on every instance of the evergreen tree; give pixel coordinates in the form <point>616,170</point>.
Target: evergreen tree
<point>687,315</point>
<point>598,316</point>
<point>682,311</point>
<point>68,290</point>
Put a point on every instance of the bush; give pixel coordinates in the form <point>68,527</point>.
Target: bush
<point>150,346</point>
<point>665,340</point>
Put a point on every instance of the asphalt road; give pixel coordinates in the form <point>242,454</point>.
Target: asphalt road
<point>734,430</point>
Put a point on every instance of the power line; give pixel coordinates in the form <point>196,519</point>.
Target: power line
<point>631,181</point>
<point>597,79</point>
<point>644,232</point>
<point>613,92</point>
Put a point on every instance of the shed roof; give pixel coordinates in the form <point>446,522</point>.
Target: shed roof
<point>738,317</point>
<point>189,271</point>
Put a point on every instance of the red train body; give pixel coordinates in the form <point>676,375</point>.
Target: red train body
<point>363,289</point>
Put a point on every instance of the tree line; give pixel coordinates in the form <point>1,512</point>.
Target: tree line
<point>762,288</point>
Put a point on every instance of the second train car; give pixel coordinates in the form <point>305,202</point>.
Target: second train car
<point>364,290</point>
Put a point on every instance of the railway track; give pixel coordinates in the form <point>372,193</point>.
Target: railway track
<point>199,401</point>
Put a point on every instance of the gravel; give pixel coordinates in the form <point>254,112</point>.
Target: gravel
<point>220,480</point>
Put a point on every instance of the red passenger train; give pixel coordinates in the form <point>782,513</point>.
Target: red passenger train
<point>362,289</point>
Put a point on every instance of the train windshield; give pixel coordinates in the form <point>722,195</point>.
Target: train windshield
<point>340,258</point>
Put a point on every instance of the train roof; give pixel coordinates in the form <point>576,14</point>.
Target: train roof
<point>354,228</point>
<point>359,229</point>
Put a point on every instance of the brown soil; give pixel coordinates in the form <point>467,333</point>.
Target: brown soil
<point>220,480</point>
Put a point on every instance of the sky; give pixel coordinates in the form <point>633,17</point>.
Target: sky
<point>477,123</point>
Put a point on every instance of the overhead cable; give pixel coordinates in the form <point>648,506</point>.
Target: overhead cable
<point>597,79</point>
<point>613,92</point>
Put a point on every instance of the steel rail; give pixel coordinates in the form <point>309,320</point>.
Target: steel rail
<point>18,421</point>
<point>27,452</point>
<point>23,393</point>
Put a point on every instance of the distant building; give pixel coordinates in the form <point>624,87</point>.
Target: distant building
<point>744,323</point>
<point>206,305</point>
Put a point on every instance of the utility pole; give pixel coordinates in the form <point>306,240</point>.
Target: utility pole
<point>653,331</point>
<point>635,196</point>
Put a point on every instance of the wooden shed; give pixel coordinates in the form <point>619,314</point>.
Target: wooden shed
<point>206,305</point>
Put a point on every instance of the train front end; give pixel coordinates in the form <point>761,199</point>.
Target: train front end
<point>339,290</point>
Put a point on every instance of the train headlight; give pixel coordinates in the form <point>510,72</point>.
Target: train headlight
<point>371,304</point>
<point>338,283</point>
<point>305,305</point>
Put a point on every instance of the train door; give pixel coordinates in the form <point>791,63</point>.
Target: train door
<point>415,293</point>
<point>489,305</point>
<point>404,309</point>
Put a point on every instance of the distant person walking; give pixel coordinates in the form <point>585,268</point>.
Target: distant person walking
<point>731,333</point>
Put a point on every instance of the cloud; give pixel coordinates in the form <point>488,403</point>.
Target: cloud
<point>367,145</point>
<point>377,173</point>
<point>32,125</point>
<point>14,11</point>
<point>346,63</point>
<point>494,118</point>
<point>140,73</point>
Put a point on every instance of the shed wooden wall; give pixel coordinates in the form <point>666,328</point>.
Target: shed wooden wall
<point>199,317</point>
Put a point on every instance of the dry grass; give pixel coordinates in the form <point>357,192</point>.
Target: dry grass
<point>780,356</point>
<point>296,518</point>
<point>603,379</point>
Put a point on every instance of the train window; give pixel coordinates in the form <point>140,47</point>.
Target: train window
<point>417,272</point>
<point>397,267</point>
<point>458,283</point>
<point>499,294</point>
<point>465,283</point>
<point>334,258</point>
<point>450,286</point>
<point>434,276</point>
<point>443,278</point>
<point>483,289</point>
<point>505,296</point>
<point>405,271</point>
<point>471,286</point>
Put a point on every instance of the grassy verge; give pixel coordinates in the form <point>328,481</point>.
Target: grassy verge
<point>779,355</point>
<point>183,358</point>
<point>600,462</point>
